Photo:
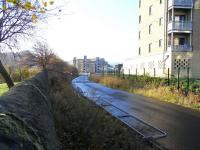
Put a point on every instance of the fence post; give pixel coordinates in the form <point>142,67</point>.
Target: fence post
<point>129,73</point>
<point>136,73</point>
<point>154,72</point>
<point>178,78</point>
<point>188,80</point>
<point>123,74</point>
<point>103,70</point>
<point>144,72</point>
<point>168,79</point>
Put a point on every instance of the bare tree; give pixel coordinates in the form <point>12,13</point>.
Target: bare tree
<point>17,19</point>
<point>42,55</point>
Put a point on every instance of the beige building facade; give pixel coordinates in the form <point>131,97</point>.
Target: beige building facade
<point>169,38</point>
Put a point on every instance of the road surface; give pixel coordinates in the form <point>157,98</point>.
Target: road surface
<point>182,125</point>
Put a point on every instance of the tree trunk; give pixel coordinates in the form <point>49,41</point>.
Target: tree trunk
<point>6,76</point>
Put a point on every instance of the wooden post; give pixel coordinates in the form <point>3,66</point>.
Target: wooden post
<point>188,79</point>
<point>136,73</point>
<point>168,79</point>
<point>123,74</point>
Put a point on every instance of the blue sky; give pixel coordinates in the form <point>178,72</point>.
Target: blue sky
<point>105,28</point>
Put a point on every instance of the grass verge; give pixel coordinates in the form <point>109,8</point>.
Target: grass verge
<point>81,124</point>
<point>4,88</point>
<point>150,87</point>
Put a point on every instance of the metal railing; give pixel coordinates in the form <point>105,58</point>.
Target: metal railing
<point>146,130</point>
<point>181,3</point>
<point>180,26</point>
<point>180,48</point>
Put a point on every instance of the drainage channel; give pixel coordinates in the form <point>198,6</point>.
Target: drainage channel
<point>146,130</point>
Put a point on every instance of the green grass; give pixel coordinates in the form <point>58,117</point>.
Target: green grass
<point>3,88</point>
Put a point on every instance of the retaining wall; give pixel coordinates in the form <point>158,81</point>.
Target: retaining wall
<point>26,121</point>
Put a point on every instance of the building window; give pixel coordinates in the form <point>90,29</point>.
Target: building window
<point>150,28</point>
<point>150,10</point>
<point>139,51</point>
<point>161,21</point>
<point>182,41</point>
<point>160,42</point>
<point>160,1</point>
<point>140,19</point>
<point>150,47</point>
<point>139,35</point>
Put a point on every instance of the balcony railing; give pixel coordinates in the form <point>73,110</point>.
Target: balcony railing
<point>181,3</point>
<point>180,26</point>
<point>180,48</point>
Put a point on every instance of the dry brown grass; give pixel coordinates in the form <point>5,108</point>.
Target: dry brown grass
<point>82,125</point>
<point>150,89</point>
<point>113,82</point>
<point>167,95</point>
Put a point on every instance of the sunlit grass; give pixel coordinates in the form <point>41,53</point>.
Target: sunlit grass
<point>151,88</point>
<point>4,88</point>
<point>165,94</point>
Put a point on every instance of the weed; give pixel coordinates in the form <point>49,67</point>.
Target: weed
<point>155,88</point>
<point>81,124</point>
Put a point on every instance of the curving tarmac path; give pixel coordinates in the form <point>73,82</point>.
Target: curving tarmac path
<point>182,125</point>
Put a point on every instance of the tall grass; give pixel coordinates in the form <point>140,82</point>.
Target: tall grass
<point>3,88</point>
<point>151,87</point>
<point>111,81</point>
<point>81,124</point>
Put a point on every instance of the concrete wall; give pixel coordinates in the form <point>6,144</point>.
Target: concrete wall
<point>149,63</point>
<point>196,29</point>
<point>196,40</point>
<point>155,59</point>
<point>162,58</point>
<point>158,11</point>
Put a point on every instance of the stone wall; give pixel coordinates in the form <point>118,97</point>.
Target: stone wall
<point>26,121</point>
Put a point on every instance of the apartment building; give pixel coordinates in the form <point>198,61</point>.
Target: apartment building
<point>95,65</point>
<point>169,37</point>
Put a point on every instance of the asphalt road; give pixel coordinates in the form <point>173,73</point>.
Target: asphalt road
<point>182,125</point>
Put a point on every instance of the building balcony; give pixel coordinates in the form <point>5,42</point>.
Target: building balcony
<point>185,26</point>
<point>180,48</point>
<point>180,4</point>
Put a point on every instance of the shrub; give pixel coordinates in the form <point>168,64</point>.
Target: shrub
<point>83,125</point>
<point>24,73</point>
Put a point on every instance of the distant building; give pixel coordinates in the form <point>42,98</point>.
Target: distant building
<point>95,65</point>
